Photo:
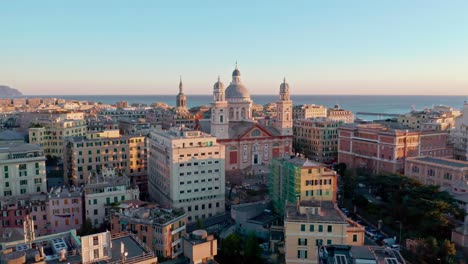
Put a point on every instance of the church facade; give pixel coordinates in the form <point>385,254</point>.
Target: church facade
<point>248,143</point>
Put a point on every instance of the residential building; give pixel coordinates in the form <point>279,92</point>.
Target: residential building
<point>338,114</point>
<point>186,170</point>
<point>337,254</point>
<point>199,247</point>
<point>34,102</point>
<point>161,230</point>
<point>65,209</point>
<point>107,149</point>
<point>309,111</point>
<point>443,172</point>
<point>22,167</point>
<point>134,127</point>
<point>116,114</point>
<point>317,139</point>
<point>436,118</point>
<point>103,191</point>
<point>14,209</point>
<point>122,104</point>
<point>17,102</point>
<point>310,224</point>
<point>380,148</point>
<point>297,177</point>
<point>459,135</point>
<point>49,132</point>
<point>67,247</point>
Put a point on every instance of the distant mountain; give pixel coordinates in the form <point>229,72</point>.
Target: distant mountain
<point>6,91</point>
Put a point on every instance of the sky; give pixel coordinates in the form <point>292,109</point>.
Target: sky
<point>321,47</point>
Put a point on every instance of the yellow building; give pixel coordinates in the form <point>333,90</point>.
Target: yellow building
<point>199,247</point>
<point>311,224</point>
<point>299,177</point>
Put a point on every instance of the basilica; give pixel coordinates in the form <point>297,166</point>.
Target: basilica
<point>247,142</point>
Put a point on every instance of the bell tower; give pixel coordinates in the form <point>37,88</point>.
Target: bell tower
<point>284,122</point>
<point>219,112</point>
<point>181,99</point>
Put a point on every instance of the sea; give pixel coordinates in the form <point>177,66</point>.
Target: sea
<point>385,104</point>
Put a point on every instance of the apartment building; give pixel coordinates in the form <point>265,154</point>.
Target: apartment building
<point>161,230</point>
<point>309,111</point>
<point>437,171</point>
<point>297,177</point>
<point>436,118</point>
<point>14,210</point>
<point>107,149</point>
<point>103,191</point>
<point>50,130</point>
<point>459,135</point>
<point>380,148</point>
<point>128,113</point>
<point>308,225</point>
<point>317,138</point>
<point>186,170</point>
<point>65,209</point>
<point>22,167</point>
<point>338,114</point>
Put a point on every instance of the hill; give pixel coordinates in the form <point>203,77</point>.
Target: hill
<point>6,91</point>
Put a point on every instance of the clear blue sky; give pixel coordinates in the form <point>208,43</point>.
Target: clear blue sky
<point>322,47</point>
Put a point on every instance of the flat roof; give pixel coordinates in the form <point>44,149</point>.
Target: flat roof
<point>444,161</point>
<point>328,213</point>
<point>131,247</point>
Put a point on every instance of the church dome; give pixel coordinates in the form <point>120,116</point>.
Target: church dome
<point>237,90</point>
<point>218,85</point>
<point>236,72</point>
<point>284,87</point>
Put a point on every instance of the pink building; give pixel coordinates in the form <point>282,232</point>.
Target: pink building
<point>382,149</point>
<point>15,208</point>
<point>65,209</point>
<point>437,171</point>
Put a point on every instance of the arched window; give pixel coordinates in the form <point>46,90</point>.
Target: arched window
<point>255,133</point>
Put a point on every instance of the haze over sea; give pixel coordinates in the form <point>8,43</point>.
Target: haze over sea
<point>392,104</point>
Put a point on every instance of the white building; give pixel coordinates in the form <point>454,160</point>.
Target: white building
<point>186,170</point>
<point>104,191</point>
<point>22,169</point>
<point>459,135</point>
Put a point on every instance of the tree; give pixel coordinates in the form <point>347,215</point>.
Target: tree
<point>252,249</point>
<point>199,223</point>
<point>86,228</point>
<point>447,250</point>
<point>232,245</point>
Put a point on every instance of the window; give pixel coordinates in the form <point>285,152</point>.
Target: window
<point>255,133</point>
<point>329,241</point>
<point>302,241</point>
<point>311,228</point>
<point>318,242</point>
<point>302,254</point>
<point>302,227</point>
<point>329,228</point>
<point>95,240</point>
<point>24,182</point>
<point>320,229</point>
<point>354,237</point>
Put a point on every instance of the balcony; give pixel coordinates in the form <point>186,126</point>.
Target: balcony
<point>178,230</point>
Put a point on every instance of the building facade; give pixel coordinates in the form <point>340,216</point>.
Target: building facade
<point>379,148</point>
<point>97,151</point>
<point>317,139</point>
<point>248,143</point>
<point>309,111</point>
<point>186,170</point>
<point>161,230</point>
<point>65,209</point>
<point>23,170</point>
<point>104,191</point>
<point>293,178</point>
<point>310,224</point>
<point>49,132</point>
<point>443,172</point>
<point>459,135</point>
